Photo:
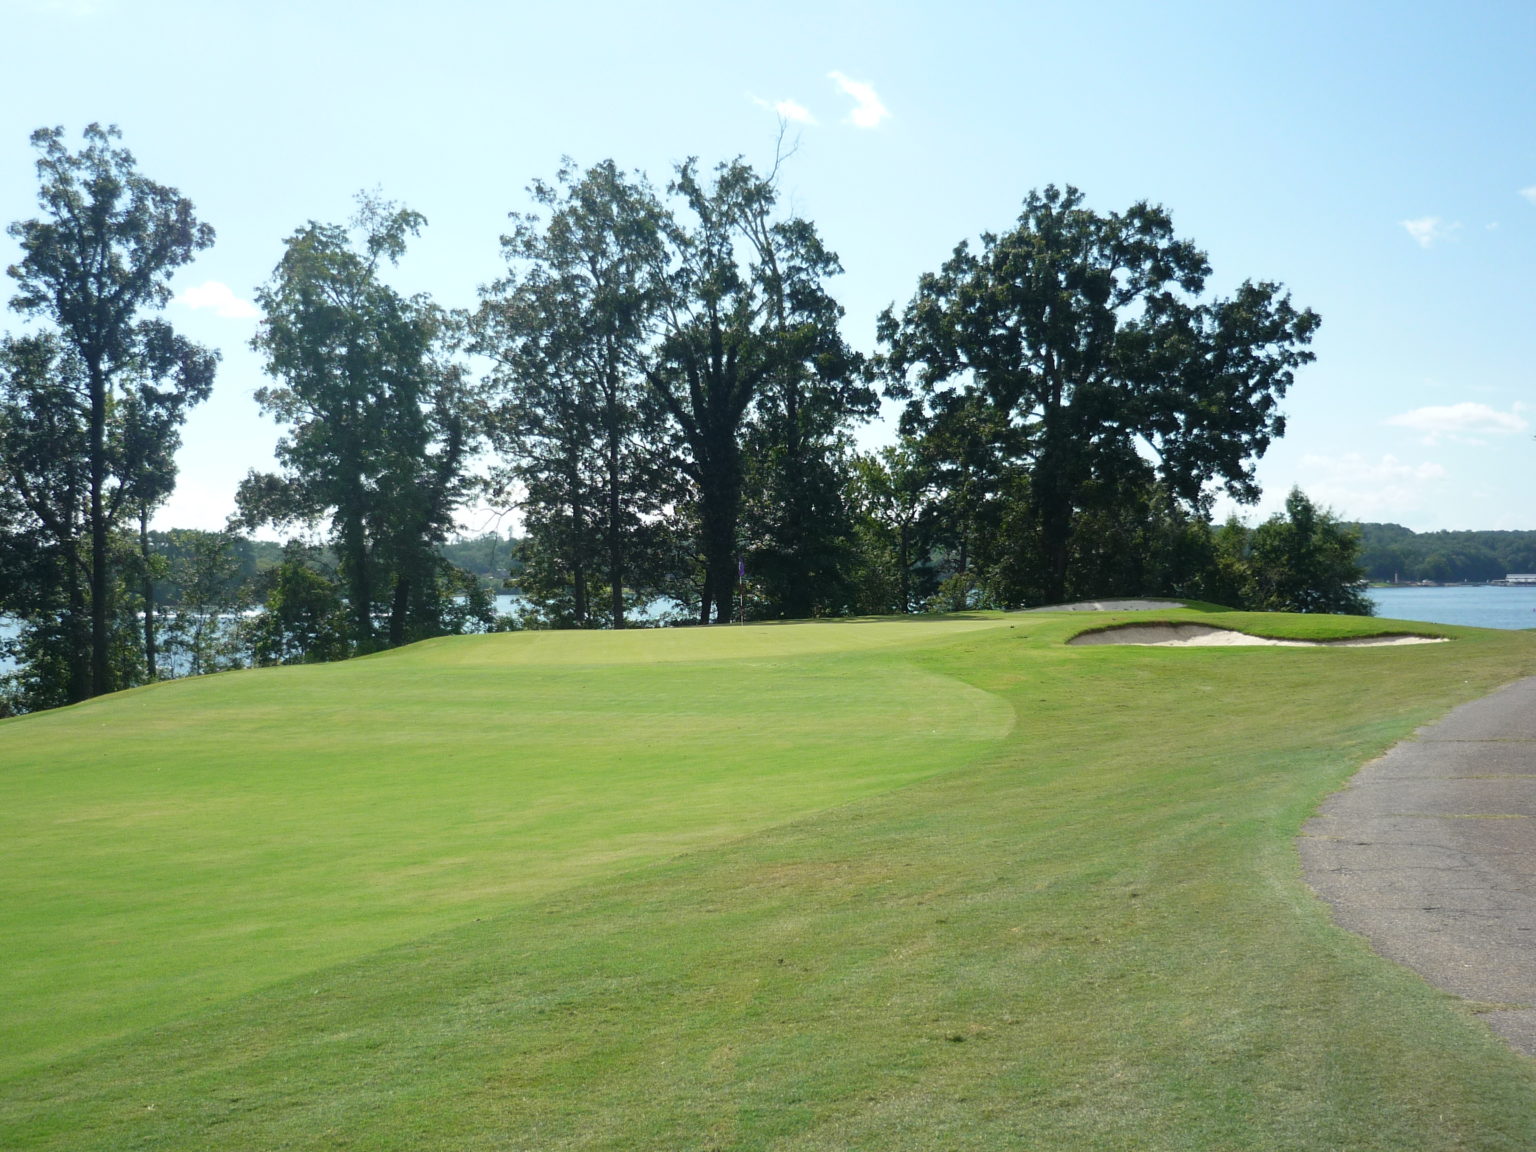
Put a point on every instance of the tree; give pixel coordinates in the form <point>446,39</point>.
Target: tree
<point>44,453</point>
<point>381,421</point>
<point>977,536</point>
<point>748,330</point>
<point>797,445</point>
<point>1304,560</point>
<point>893,495</point>
<point>303,619</point>
<point>204,568</point>
<point>1086,339</point>
<point>92,404</point>
<point>569,328</point>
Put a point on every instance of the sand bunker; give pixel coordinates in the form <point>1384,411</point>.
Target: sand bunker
<point>1111,606</point>
<point>1204,636</point>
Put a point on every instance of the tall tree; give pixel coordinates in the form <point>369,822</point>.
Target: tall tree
<point>748,328</point>
<point>44,556</point>
<point>569,329</point>
<point>1087,336</point>
<point>381,420</point>
<point>103,389</point>
<point>801,522</point>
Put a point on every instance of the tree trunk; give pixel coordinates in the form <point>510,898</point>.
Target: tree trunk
<point>77,627</point>
<point>101,577</point>
<point>359,583</point>
<point>721,510</point>
<point>399,610</point>
<point>1053,514</point>
<point>615,540</point>
<point>706,597</point>
<point>578,553</point>
<point>1051,491</point>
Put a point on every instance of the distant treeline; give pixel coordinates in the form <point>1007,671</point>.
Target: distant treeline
<point>196,568</point>
<point>1391,553</point>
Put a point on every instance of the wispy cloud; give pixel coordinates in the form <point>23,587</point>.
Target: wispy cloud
<point>791,110</point>
<point>1464,423</point>
<point>868,110</point>
<point>1429,230</point>
<point>1365,489</point>
<point>219,297</point>
<point>1529,193</point>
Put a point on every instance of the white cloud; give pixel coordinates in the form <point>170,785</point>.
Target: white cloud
<point>1360,489</point>
<point>1429,230</point>
<point>794,111</point>
<point>223,301</point>
<point>790,110</point>
<point>868,111</point>
<point>1464,423</point>
<point>1529,193</point>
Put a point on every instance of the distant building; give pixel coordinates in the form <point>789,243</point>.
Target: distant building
<point>1520,578</point>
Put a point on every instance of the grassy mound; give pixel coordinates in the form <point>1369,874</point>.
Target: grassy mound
<point>881,884</point>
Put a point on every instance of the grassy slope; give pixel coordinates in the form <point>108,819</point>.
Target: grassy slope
<point>168,847</point>
<point>1087,931</point>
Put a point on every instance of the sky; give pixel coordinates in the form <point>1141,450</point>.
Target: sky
<point>1378,160</point>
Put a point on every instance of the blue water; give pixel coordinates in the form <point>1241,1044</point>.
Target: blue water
<point>1478,606</point>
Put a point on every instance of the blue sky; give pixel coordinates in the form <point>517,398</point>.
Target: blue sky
<point>1378,160</point>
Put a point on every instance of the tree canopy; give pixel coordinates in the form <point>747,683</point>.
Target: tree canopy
<point>673,389</point>
<point>381,421</point>
<point>1301,560</point>
<point>669,403</point>
<point>569,329</point>
<point>751,350</point>
<point>91,403</point>
<point>1079,344</point>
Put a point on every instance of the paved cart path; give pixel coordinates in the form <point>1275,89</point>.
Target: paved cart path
<point>1430,853</point>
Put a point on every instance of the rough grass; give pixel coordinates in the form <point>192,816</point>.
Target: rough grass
<point>916,884</point>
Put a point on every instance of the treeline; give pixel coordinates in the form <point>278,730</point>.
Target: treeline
<point>673,400</point>
<point>193,568</point>
<point>1391,553</point>
<point>215,601</point>
<point>669,408</point>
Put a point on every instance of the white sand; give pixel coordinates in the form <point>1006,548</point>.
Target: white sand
<point>1111,606</point>
<point>1204,636</point>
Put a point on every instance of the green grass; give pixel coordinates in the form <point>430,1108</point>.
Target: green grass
<point>887,884</point>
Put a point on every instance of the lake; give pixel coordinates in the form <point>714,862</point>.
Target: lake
<point>1479,606</point>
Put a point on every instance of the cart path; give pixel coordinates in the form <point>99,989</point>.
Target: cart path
<point>1430,854</point>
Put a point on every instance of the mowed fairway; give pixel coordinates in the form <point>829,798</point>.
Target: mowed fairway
<point>936,883</point>
<point>168,847</point>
